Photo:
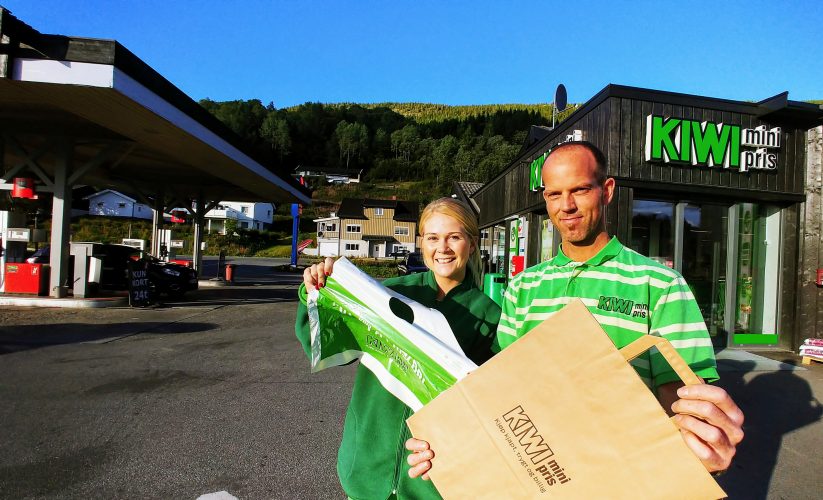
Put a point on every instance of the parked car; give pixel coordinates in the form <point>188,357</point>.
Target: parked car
<point>40,256</point>
<point>402,252</point>
<point>413,263</point>
<point>164,277</point>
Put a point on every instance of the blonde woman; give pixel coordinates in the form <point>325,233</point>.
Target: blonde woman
<point>371,461</point>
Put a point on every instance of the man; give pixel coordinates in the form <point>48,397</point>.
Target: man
<point>629,294</point>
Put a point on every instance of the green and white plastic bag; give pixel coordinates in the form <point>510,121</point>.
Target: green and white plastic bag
<point>354,316</point>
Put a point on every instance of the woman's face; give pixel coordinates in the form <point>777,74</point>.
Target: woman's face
<point>446,248</point>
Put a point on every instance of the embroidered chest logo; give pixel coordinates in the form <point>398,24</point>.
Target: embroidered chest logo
<point>623,306</point>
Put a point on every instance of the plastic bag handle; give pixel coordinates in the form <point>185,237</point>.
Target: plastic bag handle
<point>671,355</point>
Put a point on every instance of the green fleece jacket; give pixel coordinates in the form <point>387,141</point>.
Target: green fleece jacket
<point>371,462</point>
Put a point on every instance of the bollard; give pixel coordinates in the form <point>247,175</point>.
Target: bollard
<point>230,273</point>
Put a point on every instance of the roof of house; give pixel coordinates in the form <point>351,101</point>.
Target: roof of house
<point>352,208</point>
<point>112,191</point>
<point>464,191</point>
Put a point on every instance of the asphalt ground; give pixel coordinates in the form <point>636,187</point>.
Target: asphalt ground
<point>193,397</point>
<point>213,393</point>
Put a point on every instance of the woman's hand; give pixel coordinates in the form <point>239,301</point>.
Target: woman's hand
<point>314,277</point>
<point>420,459</point>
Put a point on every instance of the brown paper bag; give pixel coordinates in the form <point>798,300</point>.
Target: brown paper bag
<point>561,414</point>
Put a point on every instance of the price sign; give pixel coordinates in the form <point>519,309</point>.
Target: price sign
<point>139,288</point>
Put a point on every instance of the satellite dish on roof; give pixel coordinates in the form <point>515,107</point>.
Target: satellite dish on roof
<point>560,98</point>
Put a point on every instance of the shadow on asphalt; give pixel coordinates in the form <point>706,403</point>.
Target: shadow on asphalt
<point>231,295</point>
<point>774,404</point>
<point>24,337</point>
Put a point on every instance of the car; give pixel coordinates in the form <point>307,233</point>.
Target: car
<point>413,263</point>
<point>40,256</point>
<point>167,278</point>
<point>402,252</point>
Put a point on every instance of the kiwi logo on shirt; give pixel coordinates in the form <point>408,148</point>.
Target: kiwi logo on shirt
<point>623,306</point>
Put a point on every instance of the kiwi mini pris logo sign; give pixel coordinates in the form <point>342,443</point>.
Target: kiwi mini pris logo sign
<point>709,144</point>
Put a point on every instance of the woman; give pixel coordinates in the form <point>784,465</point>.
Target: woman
<point>371,462</point>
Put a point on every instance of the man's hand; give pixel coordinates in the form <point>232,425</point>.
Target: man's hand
<point>420,459</point>
<point>710,422</point>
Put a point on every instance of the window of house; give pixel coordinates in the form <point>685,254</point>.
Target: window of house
<point>353,246</point>
<point>329,226</point>
<point>401,231</point>
<point>353,228</point>
<point>100,204</point>
<point>244,209</point>
<point>378,211</point>
<point>121,205</point>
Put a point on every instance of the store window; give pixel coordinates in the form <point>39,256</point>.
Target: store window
<point>497,262</point>
<point>652,231</point>
<point>705,238</point>
<point>547,243</point>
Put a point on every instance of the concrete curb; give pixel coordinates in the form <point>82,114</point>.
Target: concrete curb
<point>69,303</point>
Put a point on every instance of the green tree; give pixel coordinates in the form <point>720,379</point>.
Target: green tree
<point>244,118</point>
<point>275,131</point>
<point>352,139</point>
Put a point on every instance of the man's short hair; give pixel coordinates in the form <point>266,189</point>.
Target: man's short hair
<point>599,157</point>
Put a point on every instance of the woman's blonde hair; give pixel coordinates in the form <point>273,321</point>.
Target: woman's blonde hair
<point>467,220</point>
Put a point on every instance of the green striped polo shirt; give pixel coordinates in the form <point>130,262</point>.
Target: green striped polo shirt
<point>629,295</point>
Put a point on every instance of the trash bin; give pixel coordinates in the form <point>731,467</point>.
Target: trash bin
<point>230,273</point>
<point>494,284</point>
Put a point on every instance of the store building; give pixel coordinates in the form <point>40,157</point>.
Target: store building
<point>726,192</point>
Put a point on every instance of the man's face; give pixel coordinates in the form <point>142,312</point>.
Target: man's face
<point>574,199</point>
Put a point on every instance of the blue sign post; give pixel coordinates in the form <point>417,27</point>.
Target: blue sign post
<point>295,229</point>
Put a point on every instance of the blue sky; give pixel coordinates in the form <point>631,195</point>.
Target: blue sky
<point>455,52</point>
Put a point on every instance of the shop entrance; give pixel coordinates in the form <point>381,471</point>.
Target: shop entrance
<point>715,245</point>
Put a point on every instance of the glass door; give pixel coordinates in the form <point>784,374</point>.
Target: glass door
<point>729,256</point>
<point>757,272</point>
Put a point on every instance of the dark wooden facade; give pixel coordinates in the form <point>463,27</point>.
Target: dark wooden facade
<point>615,121</point>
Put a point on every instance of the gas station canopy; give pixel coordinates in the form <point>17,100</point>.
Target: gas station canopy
<point>86,112</point>
<point>130,129</point>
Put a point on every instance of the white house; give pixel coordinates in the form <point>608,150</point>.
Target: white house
<point>115,204</point>
<point>249,215</point>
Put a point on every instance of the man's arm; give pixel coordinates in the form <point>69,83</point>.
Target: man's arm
<point>709,420</point>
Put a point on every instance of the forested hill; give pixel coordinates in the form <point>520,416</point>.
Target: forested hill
<point>428,113</point>
<point>388,141</point>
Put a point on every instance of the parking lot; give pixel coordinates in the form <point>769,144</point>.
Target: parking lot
<point>192,397</point>
<point>213,393</point>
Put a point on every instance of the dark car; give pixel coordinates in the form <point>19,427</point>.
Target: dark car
<point>164,277</point>
<point>40,256</point>
<point>413,263</point>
